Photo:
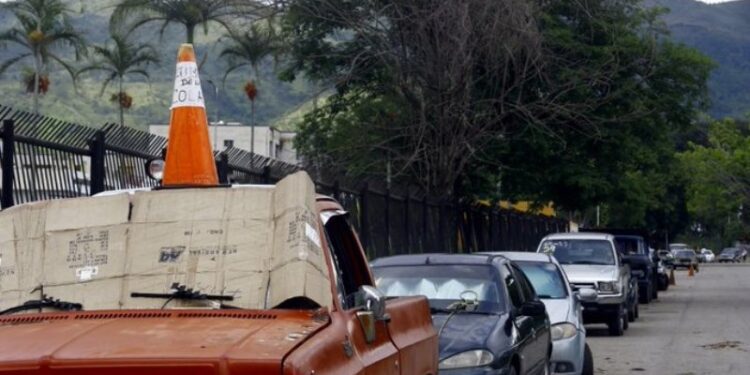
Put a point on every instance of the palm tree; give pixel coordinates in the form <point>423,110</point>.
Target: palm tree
<point>188,13</point>
<point>42,28</point>
<point>249,49</point>
<point>118,59</point>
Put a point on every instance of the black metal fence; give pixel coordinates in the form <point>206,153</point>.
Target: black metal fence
<point>43,158</point>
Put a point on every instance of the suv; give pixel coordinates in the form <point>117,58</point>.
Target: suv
<point>590,260</point>
<point>643,268</point>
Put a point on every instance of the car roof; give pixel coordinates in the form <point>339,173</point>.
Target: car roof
<point>525,256</point>
<point>436,258</point>
<point>579,236</point>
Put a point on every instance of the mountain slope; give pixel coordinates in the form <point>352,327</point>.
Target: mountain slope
<point>721,31</point>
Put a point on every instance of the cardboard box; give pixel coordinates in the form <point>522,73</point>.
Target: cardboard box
<point>259,244</point>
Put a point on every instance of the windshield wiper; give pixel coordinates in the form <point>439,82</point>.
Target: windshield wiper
<point>182,292</point>
<point>589,262</point>
<point>44,303</point>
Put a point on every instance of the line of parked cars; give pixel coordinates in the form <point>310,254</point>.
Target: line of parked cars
<point>515,313</point>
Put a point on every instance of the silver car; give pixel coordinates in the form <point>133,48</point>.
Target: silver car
<point>570,354</point>
<point>591,261</point>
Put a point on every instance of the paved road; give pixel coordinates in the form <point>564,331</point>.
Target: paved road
<point>700,326</point>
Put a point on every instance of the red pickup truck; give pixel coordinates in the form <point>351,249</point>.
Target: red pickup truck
<point>361,332</point>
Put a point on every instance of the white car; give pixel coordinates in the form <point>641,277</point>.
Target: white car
<point>570,353</point>
<point>708,255</point>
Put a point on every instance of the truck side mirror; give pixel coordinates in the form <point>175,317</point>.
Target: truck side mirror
<point>587,295</point>
<point>371,305</point>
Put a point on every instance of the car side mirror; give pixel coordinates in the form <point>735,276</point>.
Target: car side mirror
<point>371,305</point>
<point>587,295</point>
<point>532,308</point>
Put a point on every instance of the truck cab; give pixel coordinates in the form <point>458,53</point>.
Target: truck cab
<point>591,261</point>
<point>120,304</point>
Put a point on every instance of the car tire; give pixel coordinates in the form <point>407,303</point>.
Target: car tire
<point>637,312</point>
<point>616,323</point>
<point>646,297</point>
<point>588,361</point>
<point>655,291</point>
<point>625,322</point>
<point>631,314</point>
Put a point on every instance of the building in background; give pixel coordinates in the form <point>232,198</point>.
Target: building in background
<point>269,141</point>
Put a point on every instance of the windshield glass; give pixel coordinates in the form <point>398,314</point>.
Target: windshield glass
<point>546,279</point>
<point>728,251</point>
<point>442,284</point>
<point>597,252</point>
<point>677,246</point>
<point>628,245</point>
<point>685,253</point>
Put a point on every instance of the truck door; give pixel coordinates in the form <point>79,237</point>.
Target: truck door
<point>367,339</point>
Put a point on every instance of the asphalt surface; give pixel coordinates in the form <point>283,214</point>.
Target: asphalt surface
<point>700,326</point>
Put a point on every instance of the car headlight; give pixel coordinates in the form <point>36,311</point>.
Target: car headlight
<point>563,331</point>
<point>472,358</point>
<point>609,287</point>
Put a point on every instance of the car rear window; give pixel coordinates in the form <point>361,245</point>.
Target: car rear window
<point>580,251</point>
<point>440,282</point>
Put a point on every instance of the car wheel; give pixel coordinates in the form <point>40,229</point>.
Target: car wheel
<point>616,323</point>
<point>588,361</point>
<point>637,312</point>
<point>646,298</point>
<point>631,314</point>
<point>655,290</point>
<point>625,322</point>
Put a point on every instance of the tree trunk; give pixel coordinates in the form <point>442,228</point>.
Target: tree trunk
<point>119,104</point>
<point>190,33</point>
<point>252,126</point>
<point>37,72</point>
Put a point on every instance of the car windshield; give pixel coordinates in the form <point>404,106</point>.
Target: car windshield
<point>628,245</point>
<point>685,253</point>
<point>575,251</point>
<point>546,279</point>
<point>442,284</point>
<point>729,251</point>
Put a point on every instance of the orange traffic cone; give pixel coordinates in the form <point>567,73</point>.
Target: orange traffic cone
<point>190,161</point>
<point>671,277</point>
<point>691,273</point>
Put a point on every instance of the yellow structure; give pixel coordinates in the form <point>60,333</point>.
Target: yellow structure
<point>524,206</point>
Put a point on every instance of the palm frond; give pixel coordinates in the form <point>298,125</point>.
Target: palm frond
<point>8,63</point>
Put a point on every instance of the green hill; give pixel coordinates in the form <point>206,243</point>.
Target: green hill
<point>151,99</point>
<point>721,31</point>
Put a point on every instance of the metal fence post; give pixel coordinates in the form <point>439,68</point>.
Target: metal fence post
<point>267,175</point>
<point>336,191</point>
<point>388,245</point>
<point>423,238</point>
<point>407,234</point>
<point>98,154</point>
<point>222,168</point>
<point>364,230</point>
<point>441,229</point>
<point>9,148</point>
